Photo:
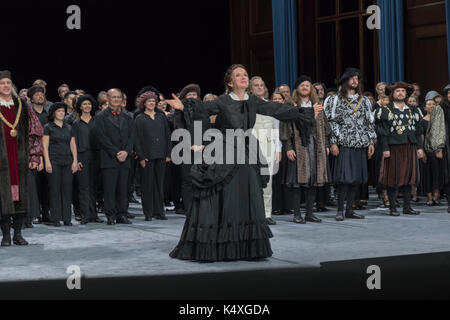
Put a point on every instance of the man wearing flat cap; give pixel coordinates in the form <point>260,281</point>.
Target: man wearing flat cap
<point>402,146</point>
<point>352,142</point>
<point>20,151</point>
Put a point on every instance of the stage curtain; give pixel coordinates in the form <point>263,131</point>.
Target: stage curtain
<point>285,41</point>
<point>392,58</point>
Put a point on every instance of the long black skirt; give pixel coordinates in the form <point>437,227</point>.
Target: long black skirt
<point>351,167</point>
<point>227,220</point>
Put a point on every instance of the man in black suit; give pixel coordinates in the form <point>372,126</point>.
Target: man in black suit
<point>116,139</point>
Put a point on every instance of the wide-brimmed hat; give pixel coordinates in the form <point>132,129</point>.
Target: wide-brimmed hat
<point>400,84</point>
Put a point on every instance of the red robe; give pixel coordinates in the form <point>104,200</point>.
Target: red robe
<point>12,150</point>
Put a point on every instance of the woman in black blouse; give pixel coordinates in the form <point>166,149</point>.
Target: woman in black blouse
<point>83,132</point>
<point>60,153</point>
<point>153,147</point>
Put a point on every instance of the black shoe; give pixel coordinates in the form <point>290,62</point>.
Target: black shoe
<point>56,224</point>
<point>78,217</point>
<point>68,224</point>
<point>312,218</point>
<point>394,212</point>
<point>6,241</point>
<point>162,217</point>
<point>132,199</point>
<point>271,222</point>
<point>111,222</point>
<point>123,220</point>
<point>277,213</point>
<point>322,209</point>
<point>411,212</point>
<point>97,220</point>
<point>340,216</point>
<point>353,215</point>
<point>130,216</point>
<point>84,222</point>
<point>179,211</point>
<point>148,219</point>
<point>298,217</point>
<point>18,240</point>
<point>28,225</point>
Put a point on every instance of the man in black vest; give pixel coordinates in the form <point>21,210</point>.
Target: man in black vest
<point>116,139</point>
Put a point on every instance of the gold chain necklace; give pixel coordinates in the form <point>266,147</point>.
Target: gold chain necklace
<point>401,129</point>
<point>13,127</point>
<point>355,110</point>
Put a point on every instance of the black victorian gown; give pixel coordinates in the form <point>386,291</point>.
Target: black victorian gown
<point>227,219</point>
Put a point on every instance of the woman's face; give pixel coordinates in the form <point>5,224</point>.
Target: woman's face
<point>412,102</point>
<point>150,104</point>
<point>448,96</point>
<point>385,101</point>
<point>438,100</point>
<point>162,105</point>
<point>381,90</point>
<point>239,79</point>
<point>86,106</point>
<point>429,106</point>
<point>304,89</point>
<point>277,98</point>
<point>258,88</point>
<point>60,114</point>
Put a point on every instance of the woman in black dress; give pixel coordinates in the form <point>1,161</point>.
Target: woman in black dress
<point>227,218</point>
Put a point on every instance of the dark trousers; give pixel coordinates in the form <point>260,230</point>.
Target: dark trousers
<point>406,193</point>
<point>153,188</point>
<point>131,176</point>
<point>43,189</point>
<point>346,192</point>
<point>17,222</point>
<point>61,181</point>
<point>295,195</point>
<point>98,180</point>
<point>187,192</point>
<point>115,191</point>
<point>85,180</point>
<point>33,198</point>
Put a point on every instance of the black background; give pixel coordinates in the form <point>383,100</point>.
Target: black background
<point>125,44</point>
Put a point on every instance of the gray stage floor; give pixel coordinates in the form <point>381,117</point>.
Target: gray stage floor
<point>143,248</point>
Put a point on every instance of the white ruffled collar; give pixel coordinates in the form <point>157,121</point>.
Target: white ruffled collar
<point>235,97</point>
<point>306,104</point>
<point>8,104</point>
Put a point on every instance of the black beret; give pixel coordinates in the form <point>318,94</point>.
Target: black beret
<point>349,73</point>
<point>5,74</point>
<point>190,88</point>
<point>302,79</point>
<point>82,99</point>
<point>54,107</point>
<point>147,89</point>
<point>33,90</point>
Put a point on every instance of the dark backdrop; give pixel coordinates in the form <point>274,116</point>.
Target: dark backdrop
<point>125,44</point>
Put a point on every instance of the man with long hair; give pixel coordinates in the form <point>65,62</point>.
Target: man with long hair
<point>352,122</point>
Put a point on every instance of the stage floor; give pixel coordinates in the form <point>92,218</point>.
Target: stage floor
<point>142,249</point>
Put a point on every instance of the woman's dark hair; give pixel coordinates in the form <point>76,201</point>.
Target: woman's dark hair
<point>229,73</point>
